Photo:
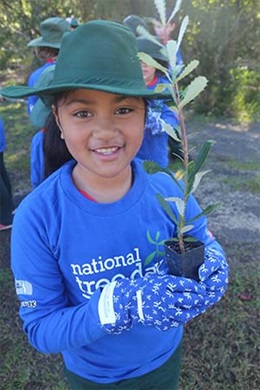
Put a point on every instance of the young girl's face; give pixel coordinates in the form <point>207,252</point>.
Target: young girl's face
<point>103,131</point>
<point>163,32</point>
<point>148,73</point>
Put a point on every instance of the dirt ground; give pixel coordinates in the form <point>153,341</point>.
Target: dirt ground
<point>236,148</point>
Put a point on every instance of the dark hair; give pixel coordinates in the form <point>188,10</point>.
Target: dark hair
<point>43,53</point>
<point>55,150</point>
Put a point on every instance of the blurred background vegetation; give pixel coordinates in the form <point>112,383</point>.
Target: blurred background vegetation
<point>223,35</point>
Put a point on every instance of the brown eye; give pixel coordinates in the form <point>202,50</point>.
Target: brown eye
<point>83,114</point>
<point>124,110</point>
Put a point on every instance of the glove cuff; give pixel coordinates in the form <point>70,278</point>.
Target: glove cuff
<point>106,305</point>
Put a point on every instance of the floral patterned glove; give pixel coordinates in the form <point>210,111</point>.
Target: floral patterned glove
<point>153,121</point>
<point>160,301</point>
<point>213,274</point>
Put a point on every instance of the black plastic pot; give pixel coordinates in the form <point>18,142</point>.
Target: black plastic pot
<point>184,264</point>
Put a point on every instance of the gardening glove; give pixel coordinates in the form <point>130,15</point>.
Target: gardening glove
<point>153,120</point>
<point>213,273</point>
<point>160,301</point>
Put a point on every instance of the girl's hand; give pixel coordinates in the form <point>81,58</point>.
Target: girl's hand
<point>213,274</point>
<point>160,301</point>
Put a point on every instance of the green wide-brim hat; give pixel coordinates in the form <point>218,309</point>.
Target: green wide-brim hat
<point>99,55</point>
<point>150,47</point>
<point>52,30</point>
<point>40,110</point>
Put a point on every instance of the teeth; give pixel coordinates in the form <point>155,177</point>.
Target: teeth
<point>106,150</point>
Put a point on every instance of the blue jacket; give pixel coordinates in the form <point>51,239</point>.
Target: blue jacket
<point>2,137</point>
<point>37,159</point>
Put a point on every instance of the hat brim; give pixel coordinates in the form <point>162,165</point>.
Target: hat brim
<point>39,42</point>
<point>39,114</point>
<point>14,92</point>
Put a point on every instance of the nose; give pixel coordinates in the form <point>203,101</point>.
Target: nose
<point>105,127</point>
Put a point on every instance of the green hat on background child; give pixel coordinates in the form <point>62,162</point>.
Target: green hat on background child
<point>147,46</point>
<point>133,22</point>
<point>40,111</point>
<point>74,22</point>
<point>99,55</point>
<point>52,30</point>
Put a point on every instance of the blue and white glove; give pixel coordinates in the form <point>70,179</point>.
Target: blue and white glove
<point>160,301</point>
<point>213,274</point>
<point>153,120</point>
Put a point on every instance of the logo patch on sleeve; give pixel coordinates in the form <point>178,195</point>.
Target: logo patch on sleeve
<point>29,304</point>
<point>23,287</point>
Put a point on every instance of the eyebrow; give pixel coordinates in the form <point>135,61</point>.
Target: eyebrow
<point>117,99</point>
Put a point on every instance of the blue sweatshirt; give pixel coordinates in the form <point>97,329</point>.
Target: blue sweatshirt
<point>65,247</point>
<point>37,159</point>
<point>2,137</point>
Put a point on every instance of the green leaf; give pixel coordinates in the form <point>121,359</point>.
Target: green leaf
<point>171,47</point>
<point>152,167</point>
<point>183,28</point>
<point>193,90</point>
<point>166,208</point>
<point>150,238</point>
<point>186,229</point>
<point>171,132</point>
<point>179,204</point>
<point>175,10</point>
<point>197,164</point>
<point>197,180</point>
<point>203,153</point>
<point>151,62</point>
<point>188,69</point>
<point>161,8</point>
<point>160,88</point>
<point>190,239</point>
<point>150,257</point>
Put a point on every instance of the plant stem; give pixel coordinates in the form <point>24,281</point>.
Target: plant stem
<point>185,163</point>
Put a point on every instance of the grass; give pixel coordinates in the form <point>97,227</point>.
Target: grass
<point>220,348</point>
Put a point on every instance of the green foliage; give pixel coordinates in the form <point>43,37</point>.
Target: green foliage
<point>244,94</point>
<point>20,21</point>
<point>225,36</point>
<point>190,173</point>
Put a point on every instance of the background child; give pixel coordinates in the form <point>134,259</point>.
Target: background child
<point>46,49</point>
<point>155,143</point>
<point>38,118</point>
<point>80,238</point>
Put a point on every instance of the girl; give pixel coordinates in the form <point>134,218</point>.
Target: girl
<point>80,238</point>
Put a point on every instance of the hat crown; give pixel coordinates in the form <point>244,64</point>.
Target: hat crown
<point>99,55</point>
<point>52,29</point>
<point>109,59</point>
<point>133,22</point>
<point>149,47</point>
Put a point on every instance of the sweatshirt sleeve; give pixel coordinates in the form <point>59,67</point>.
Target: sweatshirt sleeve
<point>51,323</point>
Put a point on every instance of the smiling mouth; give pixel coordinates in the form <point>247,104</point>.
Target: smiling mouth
<point>107,151</point>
